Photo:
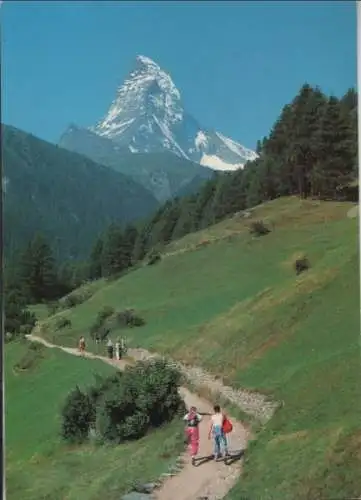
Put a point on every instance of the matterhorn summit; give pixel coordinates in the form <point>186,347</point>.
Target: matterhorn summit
<point>147,116</point>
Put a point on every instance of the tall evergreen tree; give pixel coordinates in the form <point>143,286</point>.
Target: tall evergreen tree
<point>114,254</point>
<point>130,238</point>
<point>38,271</point>
<point>336,156</point>
<point>95,259</point>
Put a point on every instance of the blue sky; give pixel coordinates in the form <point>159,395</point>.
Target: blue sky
<point>235,63</point>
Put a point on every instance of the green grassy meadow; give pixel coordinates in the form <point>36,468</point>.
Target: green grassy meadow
<point>233,304</point>
<point>39,465</point>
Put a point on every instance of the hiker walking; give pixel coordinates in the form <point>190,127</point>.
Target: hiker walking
<point>220,426</point>
<point>122,345</point>
<point>81,345</point>
<point>192,419</point>
<point>117,350</point>
<point>110,349</point>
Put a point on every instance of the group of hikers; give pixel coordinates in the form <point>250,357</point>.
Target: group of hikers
<point>220,426</point>
<point>114,350</point>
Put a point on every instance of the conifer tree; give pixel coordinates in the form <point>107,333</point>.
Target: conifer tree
<point>38,271</point>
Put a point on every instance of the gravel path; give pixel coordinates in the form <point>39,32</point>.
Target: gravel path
<point>208,480</point>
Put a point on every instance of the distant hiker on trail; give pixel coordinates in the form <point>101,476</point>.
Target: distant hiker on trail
<point>192,419</point>
<point>122,345</point>
<point>117,350</point>
<point>81,345</point>
<point>220,426</point>
<point>97,339</point>
<point>110,349</point>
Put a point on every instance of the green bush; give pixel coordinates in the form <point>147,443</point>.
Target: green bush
<point>33,355</point>
<point>77,415</point>
<point>17,318</point>
<point>62,323</point>
<point>26,329</point>
<point>97,327</point>
<point>71,300</point>
<point>124,406</point>
<point>107,319</point>
<point>128,318</point>
<point>258,228</point>
<point>301,265</point>
<point>146,398</point>
<point>104,313</point>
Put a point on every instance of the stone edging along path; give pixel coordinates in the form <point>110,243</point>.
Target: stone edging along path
<point>254,404</point>
<point>210,480</point>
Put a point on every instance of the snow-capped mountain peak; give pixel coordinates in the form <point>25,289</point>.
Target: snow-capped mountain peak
<point>147,115</point>
<point>147,91</point>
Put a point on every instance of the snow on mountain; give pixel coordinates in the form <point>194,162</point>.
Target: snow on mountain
<point>147,115</point>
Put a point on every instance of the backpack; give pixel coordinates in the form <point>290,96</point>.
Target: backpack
<point>227,425</point>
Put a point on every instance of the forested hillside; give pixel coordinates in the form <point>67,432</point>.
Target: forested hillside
<point>311,151</point>
<point>65,196</point>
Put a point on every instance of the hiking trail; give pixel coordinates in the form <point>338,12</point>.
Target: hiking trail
<point>210,480</point>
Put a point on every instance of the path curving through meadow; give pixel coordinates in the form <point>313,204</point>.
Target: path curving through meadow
<point>208,480</point>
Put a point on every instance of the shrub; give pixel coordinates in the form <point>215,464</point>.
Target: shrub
<point>26,329</point>
<point>302,264</point>
<point>32,356</point>
<point>146,398</point>
<point>128,318</point>
<point>36,347</point>
<point>62,323</point>
<point>124,406</point>
<point>102,333</point>
<point>77,297</point>
<point>71,300</point>
<point>97,326</point>
<point>102,384</point>
<point>258,228</point>
<point>104,313</point>
<point>153,258</point>
<point>77,415</point>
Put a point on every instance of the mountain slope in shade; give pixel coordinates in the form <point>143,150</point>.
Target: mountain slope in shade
<point>147,116</point>
<point>64,195</point>
<point>162,173</point>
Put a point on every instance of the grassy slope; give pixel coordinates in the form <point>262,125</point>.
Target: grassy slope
<point>39,465</point>
<point>237,308</point>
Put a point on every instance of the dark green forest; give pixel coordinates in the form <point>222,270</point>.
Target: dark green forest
<point>311,151</point>
<point>64,195</point>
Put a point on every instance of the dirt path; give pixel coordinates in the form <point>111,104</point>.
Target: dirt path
<point>209,479</point>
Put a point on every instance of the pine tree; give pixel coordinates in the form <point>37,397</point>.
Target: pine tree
<point>114,254</point>
<point>336,156</point>
<point>38,271</point>
<point>130,238</point>
<point>141,243</point>
<point>95,260</point>
<point>308,107</point>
